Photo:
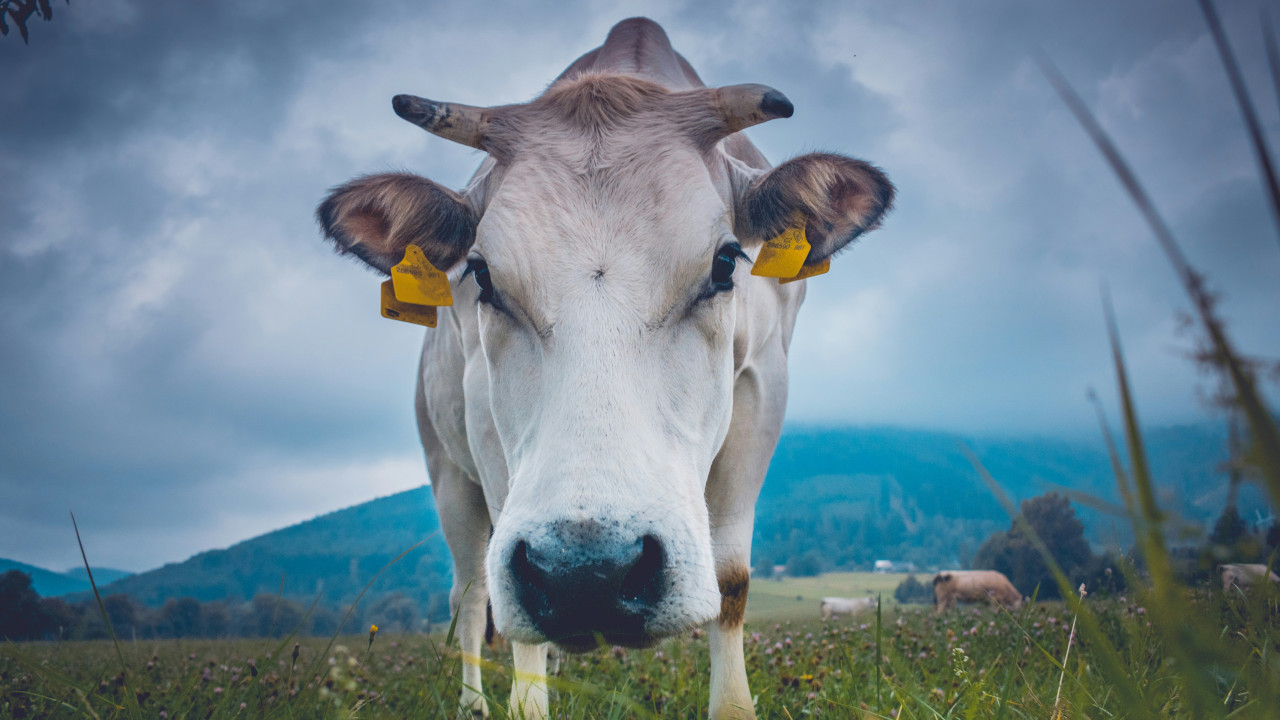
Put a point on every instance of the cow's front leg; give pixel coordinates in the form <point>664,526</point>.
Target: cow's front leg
<point>730,695</point>
<point>464,518</point>
<point>529,689</point>
<point>759,399</point>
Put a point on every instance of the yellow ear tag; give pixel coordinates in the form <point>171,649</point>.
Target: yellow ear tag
<point>417,281</point>
<point>808,271</point>
<point>783,256</point>
<point>404,312</point>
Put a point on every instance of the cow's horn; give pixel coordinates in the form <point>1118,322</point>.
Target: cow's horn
<point>742,106</point>
<point>460,123</point>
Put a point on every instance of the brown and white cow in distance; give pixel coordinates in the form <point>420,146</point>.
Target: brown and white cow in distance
<point>833,606</point>
<point>1244,576</point>
<point>952,586</point>
<point>600,403</point>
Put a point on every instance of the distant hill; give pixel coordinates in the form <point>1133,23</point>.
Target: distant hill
<point>845,496</point>
<point>835,498</point>
<point>46,582</point>
<point>332,556</point>
<point>101,575</point>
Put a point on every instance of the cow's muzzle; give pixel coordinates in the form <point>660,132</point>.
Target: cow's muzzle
<point>583,584</point>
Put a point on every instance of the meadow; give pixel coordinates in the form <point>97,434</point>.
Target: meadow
<point>905,662</point>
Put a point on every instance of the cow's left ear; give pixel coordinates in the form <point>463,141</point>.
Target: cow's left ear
<point>377,216</point>
<point>839,198</point>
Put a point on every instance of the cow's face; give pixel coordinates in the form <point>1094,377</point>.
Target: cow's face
<point>606,247</point>
<point>606,316</point>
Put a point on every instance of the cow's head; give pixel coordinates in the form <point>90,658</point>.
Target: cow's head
<point>604,246</point>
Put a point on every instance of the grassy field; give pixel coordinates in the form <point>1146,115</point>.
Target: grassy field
<point>969,663</point>
<point>797,599</point>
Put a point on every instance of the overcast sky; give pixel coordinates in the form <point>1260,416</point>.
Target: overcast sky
<point>185,364</point>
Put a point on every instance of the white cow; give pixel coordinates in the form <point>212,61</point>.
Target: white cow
<point>1243,576</point>
<point>832,606</point>
<point>605,393</point>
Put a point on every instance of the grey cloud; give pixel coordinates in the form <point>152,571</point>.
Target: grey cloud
<point>184,363</point>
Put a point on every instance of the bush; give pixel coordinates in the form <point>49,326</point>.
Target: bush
<point>1013,553</point>
<point>913,592</point>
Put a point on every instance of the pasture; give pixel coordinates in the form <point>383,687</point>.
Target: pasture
<point>796,599</point>
<point>974,662</point>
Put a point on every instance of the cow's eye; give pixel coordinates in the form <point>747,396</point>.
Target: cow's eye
<point>478,268</point>
<point>723,265</point>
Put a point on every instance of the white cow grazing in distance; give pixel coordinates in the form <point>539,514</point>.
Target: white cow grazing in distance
<point>600,403</point>
<point>832,606</point>
<point>1244,576</point>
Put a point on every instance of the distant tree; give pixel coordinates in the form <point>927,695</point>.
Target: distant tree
<point>271,616</point>
<point>122,612</point>
<point>20,615</point>
<point>1013,553</point>
<point>20,11</point>
<point>1230,529</point>
<point>215,620</point>
<point>61,617</point>
<point>1230,541</point>
<point>395,613</point>
<point>913,592</point>
<point>806,564</point>
<point>180,617</point>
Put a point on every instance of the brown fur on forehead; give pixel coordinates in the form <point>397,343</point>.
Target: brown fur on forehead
<point>598,108</point>
<point>376,217</point>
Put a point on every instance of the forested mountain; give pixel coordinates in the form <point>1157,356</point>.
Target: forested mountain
<point>48,583</point>
<point>45,582</point>
<point>332,556</point>
<point>835,497</point>
<point>842,497</point>
<point>101,575</point>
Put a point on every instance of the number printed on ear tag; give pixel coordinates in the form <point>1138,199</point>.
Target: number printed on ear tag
<point>783,256</point>
<point>808,271</point>
<point>417,281</point>
<point>405,312</point>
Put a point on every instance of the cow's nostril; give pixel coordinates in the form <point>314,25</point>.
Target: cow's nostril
<point>642,583</point>
<point>575,583</point>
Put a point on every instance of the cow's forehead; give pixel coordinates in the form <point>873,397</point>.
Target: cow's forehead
<point>645,219</point>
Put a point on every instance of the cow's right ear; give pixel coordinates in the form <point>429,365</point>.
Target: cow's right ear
<point>377,216</point>
<point>838,197</point>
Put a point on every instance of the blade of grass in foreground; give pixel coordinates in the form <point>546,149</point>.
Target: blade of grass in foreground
<point>1273,57</point>
<point>1108,658</point>
<point>131,700</point>
<point>320,658</point>
<point>1260,149</point>
<point>1196,650</point>
<point>1265,435</point>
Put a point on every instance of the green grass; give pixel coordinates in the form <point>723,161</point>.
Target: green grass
<point>973,662</point>
<point>797,599</point>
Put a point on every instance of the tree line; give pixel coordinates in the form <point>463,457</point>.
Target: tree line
<point>24,615</point>
<point>1052,518</point>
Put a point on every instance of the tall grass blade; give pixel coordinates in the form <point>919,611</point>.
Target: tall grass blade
<point>131,701</point>
<point>1117,467</point>
<point>1108,658</point>
<point>320,658</point>
<point>1260,149</point>
<point>1273,56</point>
<point>1198,651</point>
<point>1150,512</point>
<point>1265,435</point>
